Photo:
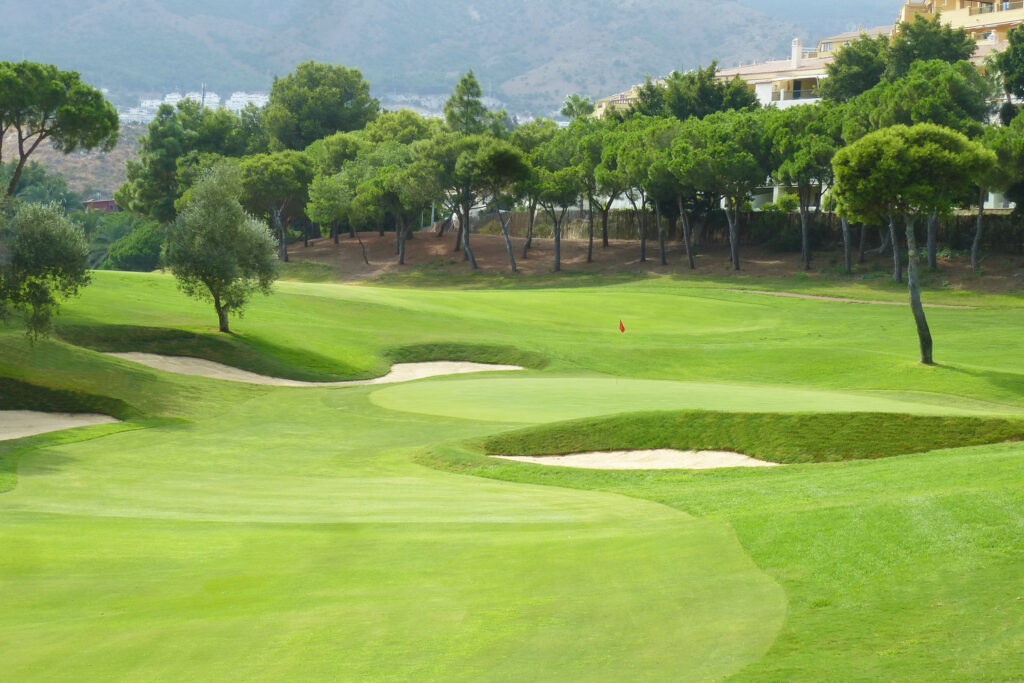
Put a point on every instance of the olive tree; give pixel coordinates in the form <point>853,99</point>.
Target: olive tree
<point>44,259</point>
<point>217,251</point>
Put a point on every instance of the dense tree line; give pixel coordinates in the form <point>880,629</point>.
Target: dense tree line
<point>906,133</point>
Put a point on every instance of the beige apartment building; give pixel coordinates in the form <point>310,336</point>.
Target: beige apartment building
<point>795,80</point>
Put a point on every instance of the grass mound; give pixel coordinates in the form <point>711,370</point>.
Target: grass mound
<point>474,353</point>
<point>254,355</point>
<point>777,437</point>
<point>15,395</point>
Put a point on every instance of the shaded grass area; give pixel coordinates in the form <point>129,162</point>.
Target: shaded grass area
<point>254,355</point>
<point>15,395</point>
<point>307,271</point>
<point>776,437</point>
<point>475,353</point>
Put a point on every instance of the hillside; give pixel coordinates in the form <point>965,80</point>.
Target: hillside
<point>93,172</point>
<point>529,54</point>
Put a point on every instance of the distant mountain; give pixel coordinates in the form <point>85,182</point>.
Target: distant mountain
<point>528,53</point>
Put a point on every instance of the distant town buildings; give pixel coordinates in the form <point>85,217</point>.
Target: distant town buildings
<point>146,110</point>
<point>795,80</point>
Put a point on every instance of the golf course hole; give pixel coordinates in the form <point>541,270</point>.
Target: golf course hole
<point>651,459</point>
<point>16,424</point>
<point>400,372</point>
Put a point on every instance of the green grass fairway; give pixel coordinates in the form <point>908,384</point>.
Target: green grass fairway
<point>234,532</point>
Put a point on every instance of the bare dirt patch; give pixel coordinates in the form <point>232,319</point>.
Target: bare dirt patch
<point>656,459</point>
<point>15,424</point>
<point>427,251</point>
<point>400,372</point>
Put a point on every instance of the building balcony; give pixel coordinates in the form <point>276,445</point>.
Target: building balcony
<point>996,7</point>
<point>788,95</point>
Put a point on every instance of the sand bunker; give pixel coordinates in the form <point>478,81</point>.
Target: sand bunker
<point>400,372</point>
<point>657,459</point>
<point>15,424</point>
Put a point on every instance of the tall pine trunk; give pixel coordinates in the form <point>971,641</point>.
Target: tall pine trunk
<point>924,335</point>
<point>897,265</point>
<point>978,227</point>
<point>529,227</point>
<point>863,242</point>
<point>467,250</point>
<point>846,245</point>
<point>590,231</point>
<point>661,234</point>
<point>686,234</point>
<point>734,233</point>
<point>607,209</point>
<point>400,239</point>
<point>933,235</point>
<point>508,241</point>
<point>805,232</point>
<point>642,220</point>
<point>282,232</point>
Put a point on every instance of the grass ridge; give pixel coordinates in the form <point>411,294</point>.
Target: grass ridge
<point>777,437</point>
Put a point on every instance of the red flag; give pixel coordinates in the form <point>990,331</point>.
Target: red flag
<point>622,328</point>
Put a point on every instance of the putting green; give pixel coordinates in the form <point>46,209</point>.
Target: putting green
<point>551,399</point>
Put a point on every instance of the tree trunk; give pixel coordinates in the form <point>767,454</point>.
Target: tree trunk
<point>924,335</point>
<point>933,230</point>
<point>362,247</point>
<point>863,242</point>
<point>276,214</point>
<point>467,250</point>
<point>661,235</point>
<point>686,234</point>
<point>558,242</point>
<point>590,231</point>
<point>734,233</point>
<point>458,235</point>
<point>305,236</point>
<point>604,223</point>
<point>886,236</point>
<point>400,239</point>
<point>529,226</point>
<point>508,242</point>
<point>805,234</point>
<point>979,225</point>
<point>897,267</point>
<point>846,245</point>
<point>642,222</point>
<point>222,315</point>
<point>334,231</point>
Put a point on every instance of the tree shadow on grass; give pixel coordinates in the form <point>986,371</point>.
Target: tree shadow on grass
<point>1006,381</point>
<point>244,352</point>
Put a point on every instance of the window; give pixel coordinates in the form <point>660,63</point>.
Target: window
<point>826,47</point>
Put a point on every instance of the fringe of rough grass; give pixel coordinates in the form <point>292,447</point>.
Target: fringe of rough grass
<point>775,437</point>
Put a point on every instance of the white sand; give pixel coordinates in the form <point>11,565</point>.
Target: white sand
<point>400,372</point>
<point>657,459</point>
<point>15,424</point>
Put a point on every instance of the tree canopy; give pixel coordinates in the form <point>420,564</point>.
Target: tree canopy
<point>40,102</point>
<point>317,100</point>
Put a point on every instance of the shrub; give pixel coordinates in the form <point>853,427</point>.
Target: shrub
<point>139,250</point>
